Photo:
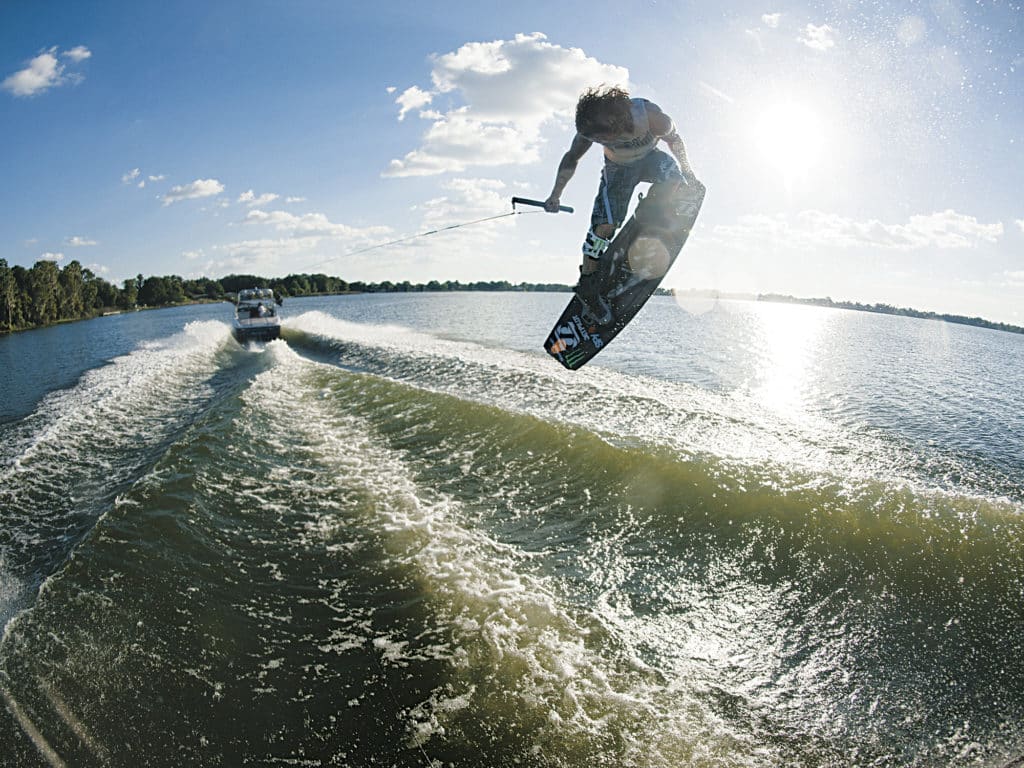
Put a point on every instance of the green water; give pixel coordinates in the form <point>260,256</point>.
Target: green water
<point>392,538</point>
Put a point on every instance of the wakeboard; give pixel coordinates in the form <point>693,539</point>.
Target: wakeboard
<point>637,259</point>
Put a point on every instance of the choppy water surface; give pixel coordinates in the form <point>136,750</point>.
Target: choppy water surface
<point>747,535</point>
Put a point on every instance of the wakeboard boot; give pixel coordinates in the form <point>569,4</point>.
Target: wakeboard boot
<point>590,291</point>
<point>594,279</point>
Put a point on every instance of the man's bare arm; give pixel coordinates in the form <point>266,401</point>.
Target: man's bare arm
<point>663,127</point>
<point>566,169</point>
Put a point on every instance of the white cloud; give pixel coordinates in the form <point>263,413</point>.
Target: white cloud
<point>196,189</point>
<point>818,38</point>
<point>78,53</point>
<point>131,176</point>
<point>295,199</point>
<point>465,199</point>
<point>142,182</point>
<point>261,256</point>
<point>815,229</point>
<point>1020,224</point>
<point>303,242</point>
<point>311,225</point>
<point>412,98</point>
<point>78,242</point>
<point>508,90</point>
<point>391,89</point>
<point>51,256</point>
<point>249,198</point>
<point>771,20</point>
<point>44,72</point>
<point>98,269</point>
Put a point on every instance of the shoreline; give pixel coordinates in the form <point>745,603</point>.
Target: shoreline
<point>456,287</point>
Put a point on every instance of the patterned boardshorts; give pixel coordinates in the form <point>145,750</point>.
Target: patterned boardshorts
<point>619,181</point>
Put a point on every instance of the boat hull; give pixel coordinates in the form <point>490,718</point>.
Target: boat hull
<point>245,332</point>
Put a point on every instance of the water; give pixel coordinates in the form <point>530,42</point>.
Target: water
<point>401,535</point>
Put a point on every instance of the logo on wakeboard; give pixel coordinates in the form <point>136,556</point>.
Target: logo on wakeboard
<point>564,337</point>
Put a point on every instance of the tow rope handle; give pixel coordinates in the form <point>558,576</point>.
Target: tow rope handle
<point>538,203</point>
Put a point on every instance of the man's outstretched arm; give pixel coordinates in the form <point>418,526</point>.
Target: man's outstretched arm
<point>566,169</point>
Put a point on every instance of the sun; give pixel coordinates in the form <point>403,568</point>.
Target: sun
<point>790,138</point>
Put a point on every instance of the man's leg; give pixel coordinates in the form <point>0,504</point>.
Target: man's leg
<point>610,207</point>
<point>609,212</point>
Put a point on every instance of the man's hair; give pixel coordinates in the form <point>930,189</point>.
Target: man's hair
<point>604,109</point>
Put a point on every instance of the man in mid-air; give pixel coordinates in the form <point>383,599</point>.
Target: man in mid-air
<point>629,130</point>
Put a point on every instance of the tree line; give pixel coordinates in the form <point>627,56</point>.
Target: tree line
<point>889,309</point>
<point>45,293</point>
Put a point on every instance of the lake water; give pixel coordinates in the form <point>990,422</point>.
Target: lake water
<point>747,534</point>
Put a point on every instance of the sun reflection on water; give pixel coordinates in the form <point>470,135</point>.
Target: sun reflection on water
<point>788,344</point>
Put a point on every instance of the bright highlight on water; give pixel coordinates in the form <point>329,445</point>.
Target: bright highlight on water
<point>400,536</point>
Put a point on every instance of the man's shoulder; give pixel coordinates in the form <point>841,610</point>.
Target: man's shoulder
<point>658,119</point>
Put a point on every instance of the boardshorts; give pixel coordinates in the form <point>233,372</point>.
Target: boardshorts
<point>619,181</point>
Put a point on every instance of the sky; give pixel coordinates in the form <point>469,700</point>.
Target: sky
<point>863,151</point>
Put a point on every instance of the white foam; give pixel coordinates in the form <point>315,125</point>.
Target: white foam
<point>520,651</point>
<point>12,596</point>
<point>119,396</point>
<point>80,442</point>
<point>627,409</point>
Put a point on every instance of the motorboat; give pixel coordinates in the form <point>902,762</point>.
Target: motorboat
<point>256,315</point>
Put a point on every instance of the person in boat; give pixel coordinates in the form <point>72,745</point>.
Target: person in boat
<point>629,129</point>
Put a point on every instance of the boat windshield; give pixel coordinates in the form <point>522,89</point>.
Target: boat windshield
<point>255,295</point>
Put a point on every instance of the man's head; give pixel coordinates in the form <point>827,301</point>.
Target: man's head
<point>604,112</point>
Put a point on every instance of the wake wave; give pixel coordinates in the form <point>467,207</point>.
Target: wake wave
<point>682,420</point>
<point>479,556</point>
<point>61,467</point>
<point>521,663</point>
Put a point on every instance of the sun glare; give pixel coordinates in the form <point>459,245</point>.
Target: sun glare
<point>790,337</point>
<point>789,137</point>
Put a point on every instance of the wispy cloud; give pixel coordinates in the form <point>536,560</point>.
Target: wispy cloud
<point>253,201</point>
<point>80,242</point>
<point>1020,224</point>
<point>465,199</point>
<point>310,225</point>
<point>503,110</point>
<point>715,92</point>
<point>135,174</point>
<point>46,71</point>
<point>194,190</point>
<point>818,38</point>
<point>51,256</point>
<point>78,53</point>
<point>771,20</point>
<point>815,229</point>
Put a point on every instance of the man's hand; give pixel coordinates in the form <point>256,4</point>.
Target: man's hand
<point>552,203</point>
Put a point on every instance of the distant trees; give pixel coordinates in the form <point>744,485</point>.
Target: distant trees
<point>10,307</point>
<point>889,309</point>
<point>161,291</point>
<point>45,294</point>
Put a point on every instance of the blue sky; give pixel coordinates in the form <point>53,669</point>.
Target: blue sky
<point>863,151</point>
